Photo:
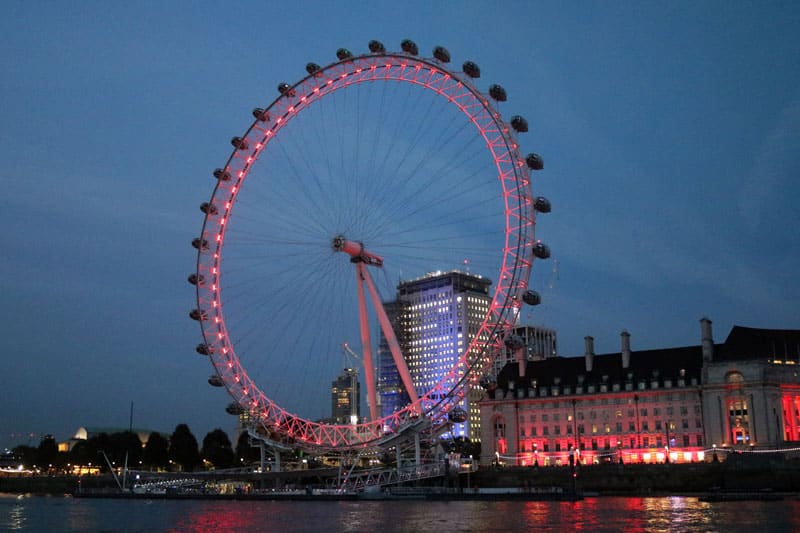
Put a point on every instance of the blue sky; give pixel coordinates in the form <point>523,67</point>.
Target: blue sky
<point>670,133</point>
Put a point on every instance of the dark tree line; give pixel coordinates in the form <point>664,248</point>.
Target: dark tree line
<point>178,451</point>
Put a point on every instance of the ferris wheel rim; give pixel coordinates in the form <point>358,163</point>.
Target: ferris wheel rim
<point>512,277</point>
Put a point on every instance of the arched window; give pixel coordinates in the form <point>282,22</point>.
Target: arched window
<point>734,377</point>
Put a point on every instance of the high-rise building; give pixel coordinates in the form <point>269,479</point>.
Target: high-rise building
<point>345,395</point>
<point>438,315</point>
<point>391,394</point>
<point>539,343</point>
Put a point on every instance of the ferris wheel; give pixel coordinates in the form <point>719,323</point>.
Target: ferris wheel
<point>372,170</point>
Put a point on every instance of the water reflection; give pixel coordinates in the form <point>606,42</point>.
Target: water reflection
<point>591,514</point>
<point>16,512</point>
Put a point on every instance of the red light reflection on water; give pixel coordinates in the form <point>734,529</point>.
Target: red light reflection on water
<point>634,515</point>
<point>222,516</point>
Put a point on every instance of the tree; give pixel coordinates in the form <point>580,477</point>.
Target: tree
<point>245,453</point>
<point>122,444</point>
<point>48,456</point>
<point>217,449</point>
<point>156,452</point>
<point>183,448</point>
<point>28,455</point>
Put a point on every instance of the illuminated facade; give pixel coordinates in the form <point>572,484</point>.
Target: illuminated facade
<point>345,398</point>
<point>438,315</point>
<point>674,404</point>
<point>391,394</point>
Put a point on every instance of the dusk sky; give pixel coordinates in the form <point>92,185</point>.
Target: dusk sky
<point>670,133</point>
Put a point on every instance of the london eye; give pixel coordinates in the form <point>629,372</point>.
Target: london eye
<point>370,170</point>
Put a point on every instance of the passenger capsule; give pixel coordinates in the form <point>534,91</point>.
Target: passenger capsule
<point>222,175</point>
<point>312,68</point>
<point>519,124</point>
<point>343,53</point>
<point>200,244</point>
<point>198,314</point>
<point>234,409</point>
<point>204,349</point>
<point>409,47</point>
<point>471,69</point>
<point>214,380</point>
<point>376,47</point>
<point>260,114</point>
<point>534,161</point>
<point>196,279</point>
<point>285,89</point>
<point>239,143</point>
<point>541,204</point>
<point>514,342</point>
<point>498,93</point>
<point>457,415</point>
<point>209,209</point>
<point>531,298</point>
<point>540,250</point>
<point>441,53</point>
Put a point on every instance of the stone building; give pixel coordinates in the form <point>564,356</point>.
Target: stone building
<point>672,404</point>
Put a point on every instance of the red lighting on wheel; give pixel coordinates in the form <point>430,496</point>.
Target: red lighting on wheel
<point>479,112</point>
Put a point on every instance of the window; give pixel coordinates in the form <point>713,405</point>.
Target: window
<point>499,428</point>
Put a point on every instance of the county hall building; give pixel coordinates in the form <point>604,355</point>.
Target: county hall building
<point>674,404</point>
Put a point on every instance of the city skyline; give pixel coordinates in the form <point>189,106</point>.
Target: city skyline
<point>669,135</point>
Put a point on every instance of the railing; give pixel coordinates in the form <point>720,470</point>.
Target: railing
<point>358,481</point>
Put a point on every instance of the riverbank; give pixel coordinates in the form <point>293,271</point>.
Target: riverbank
<point>737,474</point>
<point>732,476</point>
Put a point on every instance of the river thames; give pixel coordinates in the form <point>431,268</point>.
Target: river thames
<point>685,514</point>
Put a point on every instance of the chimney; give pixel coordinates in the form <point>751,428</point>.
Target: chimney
<point>707,340</point>
<point>626,348</point>
<point>589,343</point>
<point>521,360</point>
